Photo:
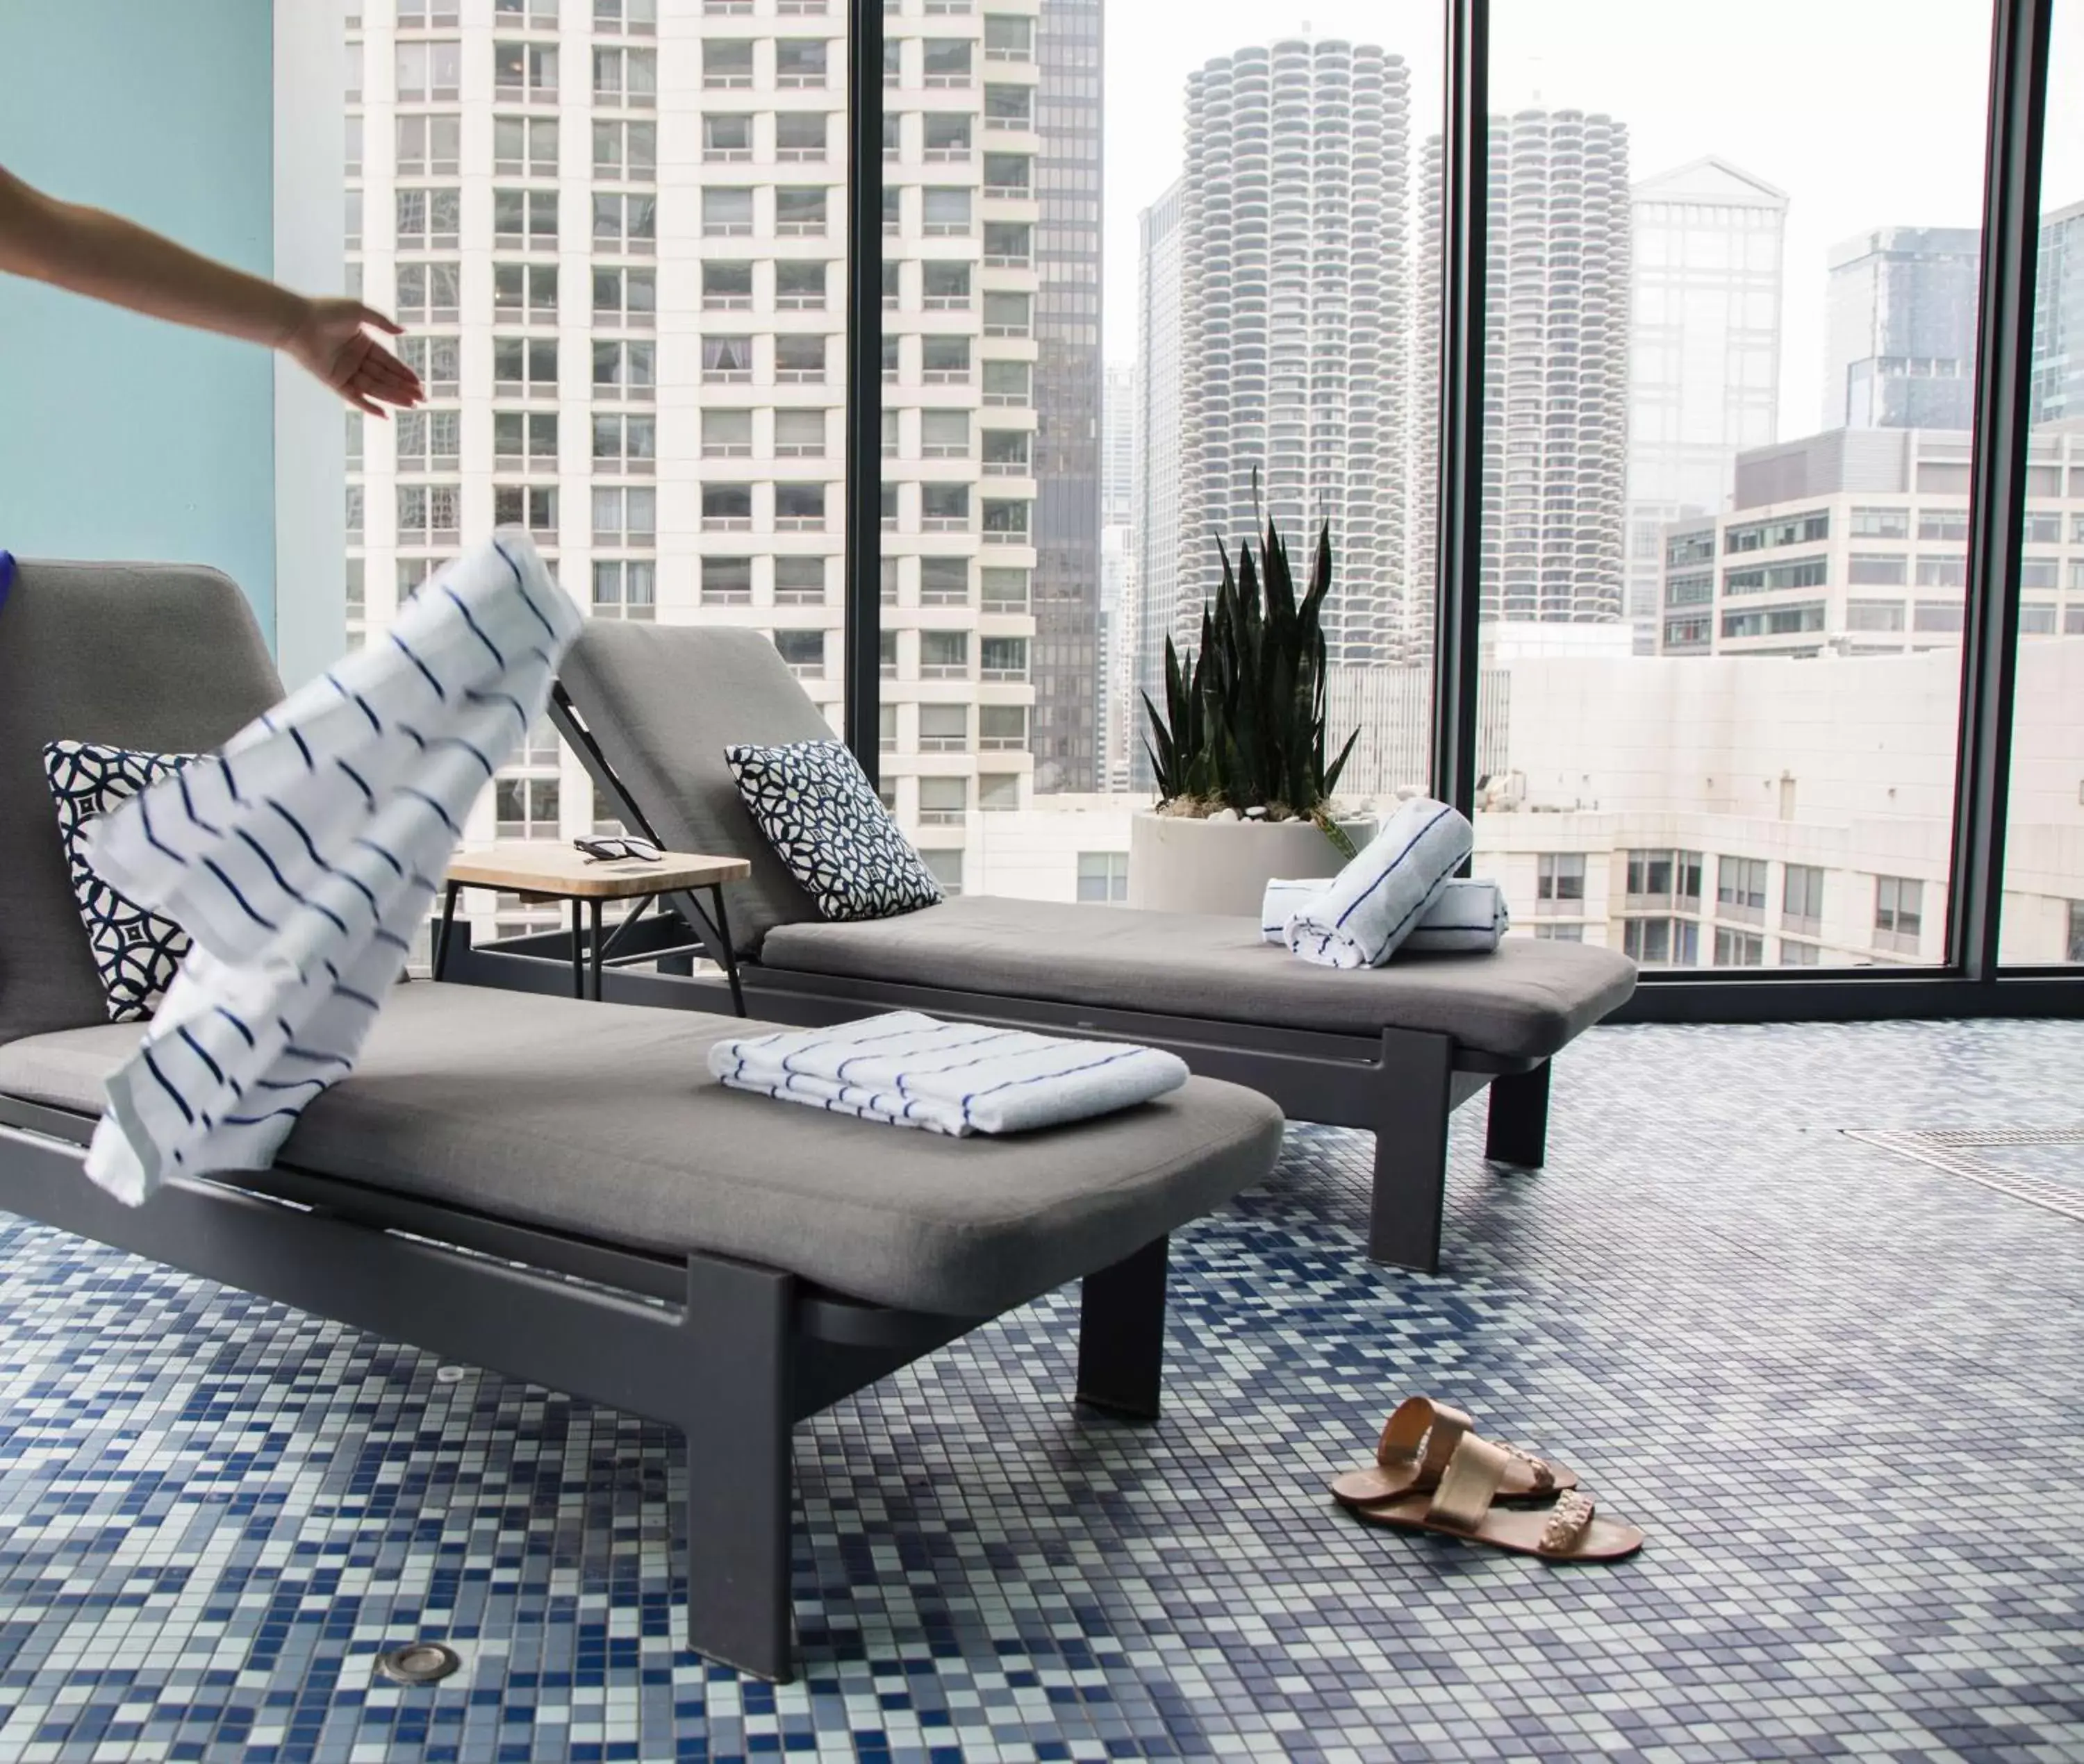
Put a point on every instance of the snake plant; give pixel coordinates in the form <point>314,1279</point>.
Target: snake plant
<point>1244,726</point>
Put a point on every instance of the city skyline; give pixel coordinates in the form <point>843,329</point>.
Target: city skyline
<point>620,273</point>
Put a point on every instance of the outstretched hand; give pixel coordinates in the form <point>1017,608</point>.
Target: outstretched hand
<point>332,341</point>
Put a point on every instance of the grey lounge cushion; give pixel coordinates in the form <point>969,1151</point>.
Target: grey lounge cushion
<point>601,1120</point>
<point>664,701</point>
<point>163,658</point>
<point>1525,1001</point>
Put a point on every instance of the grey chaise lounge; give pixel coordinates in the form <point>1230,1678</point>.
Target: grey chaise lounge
<point>650,709</point>
<point>556,1190</point>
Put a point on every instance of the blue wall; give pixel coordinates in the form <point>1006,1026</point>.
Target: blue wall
<point>121,437</point>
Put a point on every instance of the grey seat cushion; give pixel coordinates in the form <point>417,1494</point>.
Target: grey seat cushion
<point>164,657</point>
<point>601,1120</point>
<point>1525,1001</point>
<point>663,702</point>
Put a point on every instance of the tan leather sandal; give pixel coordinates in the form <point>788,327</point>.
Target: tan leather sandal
<point>1417,1441</point>
<point>1461,1508</point>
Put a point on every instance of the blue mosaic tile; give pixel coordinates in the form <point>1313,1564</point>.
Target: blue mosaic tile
<point>1836,1386</point>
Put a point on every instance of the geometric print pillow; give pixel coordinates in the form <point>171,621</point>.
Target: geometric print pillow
<point>826,823</point>
<point>136,951</point>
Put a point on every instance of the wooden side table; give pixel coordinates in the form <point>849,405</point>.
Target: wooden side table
<point>559,872</point>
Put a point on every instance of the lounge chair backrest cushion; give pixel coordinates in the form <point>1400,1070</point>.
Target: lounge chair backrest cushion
<point>164,657</point>
<point>663,702</point>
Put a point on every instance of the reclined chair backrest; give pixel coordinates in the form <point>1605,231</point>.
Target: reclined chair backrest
<point>663,702</point>
<point>163,658</point>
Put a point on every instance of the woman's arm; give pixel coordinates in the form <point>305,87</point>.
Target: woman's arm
<point>90,251</point>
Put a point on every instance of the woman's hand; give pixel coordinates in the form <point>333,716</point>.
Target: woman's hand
<point>331,339</point>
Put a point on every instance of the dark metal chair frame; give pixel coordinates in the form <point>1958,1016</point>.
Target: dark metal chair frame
<point>730,1352</point>
<point>1400,1084</point>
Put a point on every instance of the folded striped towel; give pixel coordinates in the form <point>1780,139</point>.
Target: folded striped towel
<point>1376,901</point>
<point>301,857</point>
<point>911,1070</point>
<point>1467,915</point>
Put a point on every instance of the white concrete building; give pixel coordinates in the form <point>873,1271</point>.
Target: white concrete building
<point>1704,382</point>
<point>1730,811</point>
<point>1854,542</point>
<point>615,229</point>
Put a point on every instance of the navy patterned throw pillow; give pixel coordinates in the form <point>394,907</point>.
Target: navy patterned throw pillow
<point>826,823</point>
<point>136,951</point>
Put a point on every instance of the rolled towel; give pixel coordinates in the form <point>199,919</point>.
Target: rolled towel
<point>1469,914</point>
<point>1376,901</point>
<point>910,1070</point>
<point>1469,917</point>
<point>1285,897</point>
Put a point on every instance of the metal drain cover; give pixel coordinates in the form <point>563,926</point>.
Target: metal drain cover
<point>417,1662</point>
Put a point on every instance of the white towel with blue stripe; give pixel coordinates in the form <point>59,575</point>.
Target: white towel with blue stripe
<point>301,857</point>
<point>1468,915</point>
<point>911,1070</point>
<point>1377,900</point>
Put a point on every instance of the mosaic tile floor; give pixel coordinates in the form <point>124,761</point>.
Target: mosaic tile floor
<point>1839,1386</point>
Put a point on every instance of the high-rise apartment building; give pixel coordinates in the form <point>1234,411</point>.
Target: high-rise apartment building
<point>1704,310</point>
<point>1117,703</point>
<point>1118,444</point>
<point>2058,318</point>
<point>1555,383</point>
<point>1154,486</point>
<point>614,230</point>
<point>1067,663</point>
<point>1900,329</point>
<point>1295,300</point>
<point>1116,692</point>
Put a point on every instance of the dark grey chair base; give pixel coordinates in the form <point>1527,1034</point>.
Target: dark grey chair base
<point>731,1353</point>
<point>1402,1085</point>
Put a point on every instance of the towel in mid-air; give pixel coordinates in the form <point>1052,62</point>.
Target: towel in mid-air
<point>301,856</point>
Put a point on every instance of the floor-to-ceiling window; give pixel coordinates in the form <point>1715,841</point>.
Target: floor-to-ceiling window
<point>1146,276</point>
<point>1137,262</point>
<point>2044,885</point>
<point>1732,270</point>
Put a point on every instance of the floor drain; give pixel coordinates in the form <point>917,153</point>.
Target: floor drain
<point>417,1662</point>
<point>1952,1150</point>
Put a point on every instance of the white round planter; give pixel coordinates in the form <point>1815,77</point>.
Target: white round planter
<point>1176,864</point>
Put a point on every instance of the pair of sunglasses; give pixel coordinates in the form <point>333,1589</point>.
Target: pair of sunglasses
<point>609,850</point>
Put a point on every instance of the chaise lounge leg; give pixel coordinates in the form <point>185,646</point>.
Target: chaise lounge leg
<point>739,1495</point>
<point>1121,1334</point>
<point>1411,1150</point>
<point>1519,1130</point>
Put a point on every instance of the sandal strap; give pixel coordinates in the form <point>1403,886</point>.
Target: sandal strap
<point>1419,1422</point>
<point>1538,1468</point>
<point>1567,1521</point>
<point>1469,1484</point>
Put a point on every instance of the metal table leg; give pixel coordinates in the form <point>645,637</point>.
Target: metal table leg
<point>600,946</point>
<point>448,925</point>
<point>578,951</point>
<point>730,954</point>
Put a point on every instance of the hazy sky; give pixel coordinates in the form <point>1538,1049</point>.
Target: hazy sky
<point>1866,112</point>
